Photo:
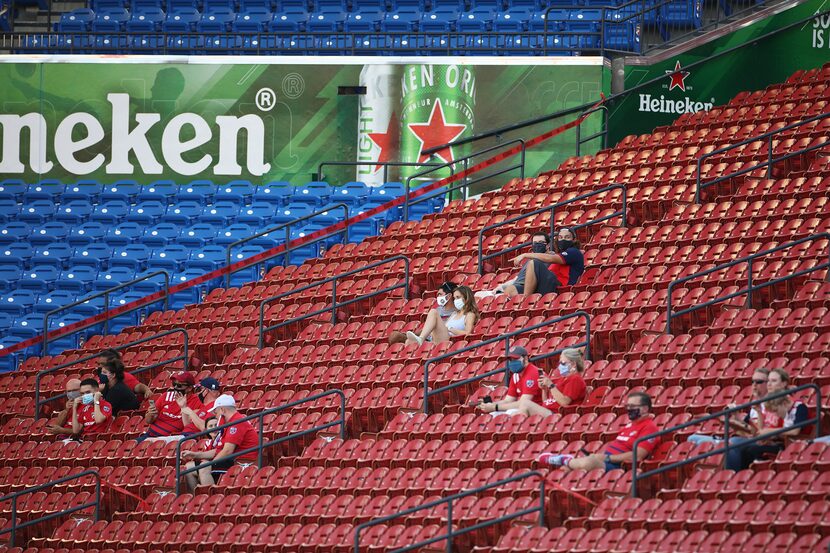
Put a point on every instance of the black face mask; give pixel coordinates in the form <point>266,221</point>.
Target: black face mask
<point>179,390</point>
<point>103,379</point>
<point>633,413</point>
<point>539,247</point>
<point>566,244</point>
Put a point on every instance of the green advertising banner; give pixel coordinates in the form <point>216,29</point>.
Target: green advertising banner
<point>715,82</point>
<point>147,120</point>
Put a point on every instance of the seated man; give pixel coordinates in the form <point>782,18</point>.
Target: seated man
<point>544,271</point>
<point>90,412</point>
<point>139,389</point>
<point>165,415</point>
<point>445,309</point>
<point>568,387</point>
<point>621,449</point>
<point>523,388</point>
<point>63,420</point>
<point>748,425</point>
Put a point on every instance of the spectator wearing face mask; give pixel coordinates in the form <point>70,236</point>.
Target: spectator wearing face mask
<point>194,419</point>
<point>523,388</point>
<point>567,387</point>
<point>91,413</point>
<point>641,424</point>
<point>164,416</point>
<point>139,389</point>
<point>445,308</point>
<point>63,420</point>
<point>205,449</point>
<point>460,323</point>
<point>115,391</point>
<point>544,271</point>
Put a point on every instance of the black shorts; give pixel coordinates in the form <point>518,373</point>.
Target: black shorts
<point>546,281</point>
<point>218,470</point>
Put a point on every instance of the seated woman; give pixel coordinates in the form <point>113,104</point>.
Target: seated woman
<point>460,323</point>
<point>544,271</point>
<point>205,450</point>
<point>445,310</point>
<point>568,386</point>
<point>113,388</point>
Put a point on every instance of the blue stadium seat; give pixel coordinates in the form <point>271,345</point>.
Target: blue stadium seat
<point>161,235</point>
<point>163,191</point>
<point>149,44</point>
<point>401,20</point>
<point>364,20</point>
<point>477,20</point>
<point>27,326</point>
<point>12,189</point>
<point>512,20</point>
<point>248,5</point>
<point>198,235</point>
<point>254,20</point>
<point>290,20</point>
<point>96,256</point>
<point>123,234</point>
<point>9,361</point>
<point>237,192</point>
<point>146,213</point>
<point>313,193</point>
<point>215,22</point>
<point>232,233</point>
<point>683,14</point>
<point>40,278</point>
<point>14,231</point>
<point>328,20</point>
<point>258,214</point>
<point>69,341</point>
<point>225,44</point>
<point>105,5</point>
<point>44,190</point>
<point>56,255</point>
<point>327,218</point>
<point>183,213</point>
<point>439,21</point>
<point>208,258</point>
<point>291,212</point>
<point>86,233</point>
<point>147,20</point>
<point>277,193</point>
<point>9,277</point>
<point>248,274</point>
<point>557,21</point>
<point>134,256</point>
<point>17,254</point>
<point>85,191</point>
<point>125,191</point>
<point>352,193</point>
<point>112,212</point>
<point>220,213</point>
<point>183,20</point>
<point>18,302</point>
<point>49,232</point>
<point>110,21</point>
<point>200,191</point>
<point>386,192</point>
<point>74,213</point>
<point>57,298</point>
<point>171,259</point>
<point>131,318</point>
<point>36,212</point>
<point>115,276</point>
<point>177,6</point>
<point>191,295</point>
<point>79,20</point>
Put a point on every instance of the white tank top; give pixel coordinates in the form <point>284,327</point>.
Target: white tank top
<point>456,322</point>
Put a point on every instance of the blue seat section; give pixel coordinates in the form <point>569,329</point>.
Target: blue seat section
<point>61,242</point>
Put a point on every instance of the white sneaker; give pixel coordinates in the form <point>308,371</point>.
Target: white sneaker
<point>412,336</point>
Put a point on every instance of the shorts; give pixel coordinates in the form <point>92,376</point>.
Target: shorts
<point>612,466</point>
<point>218,470</point>
<point>546,281</point>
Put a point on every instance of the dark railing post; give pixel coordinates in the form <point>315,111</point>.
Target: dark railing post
<point>749,284</point>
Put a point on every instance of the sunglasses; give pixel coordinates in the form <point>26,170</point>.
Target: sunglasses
<point>759,381</point>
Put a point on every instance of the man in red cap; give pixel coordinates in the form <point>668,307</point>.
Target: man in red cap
<point>165,415</point>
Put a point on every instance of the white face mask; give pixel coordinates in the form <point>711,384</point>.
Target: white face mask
<point>442,301</point>
<point>458,303</point>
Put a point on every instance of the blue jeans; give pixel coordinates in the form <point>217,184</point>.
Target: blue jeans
<point>741,456</point>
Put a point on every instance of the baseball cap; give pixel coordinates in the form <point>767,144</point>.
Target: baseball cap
<point>449,287</point>
<point>185,378</point>
<point>210,383</point>
<point>516,352</point>
<point>225,400</point>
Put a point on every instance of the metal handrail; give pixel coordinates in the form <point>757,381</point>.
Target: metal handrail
<point>106,295</point>
<point>287,226</point>
<point>750,286</point>
<point>725,449</point>
<point>699,186</point>
<point>506,337</point>
<point>600,134</point>
<point>334,303</point>
<point>183,357</point>
<point>385,164</point>
<point>464,183</point>
<point>13,498</point>
<point>451,532</point>
<point>341,421</point>
<point>552,208</point>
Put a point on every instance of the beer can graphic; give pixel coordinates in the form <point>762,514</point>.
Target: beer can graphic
<point>378,126</point>
<point>437,107</point>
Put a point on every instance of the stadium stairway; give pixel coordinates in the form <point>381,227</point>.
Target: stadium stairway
<point>313,492</point>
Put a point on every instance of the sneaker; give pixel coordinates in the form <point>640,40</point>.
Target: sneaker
<point>412,336</point>
<point>554,459</point>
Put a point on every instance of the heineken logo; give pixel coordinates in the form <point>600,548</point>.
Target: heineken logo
<point>435,132</point>
<point>677,106</point>
<point>79,135</point>
<point>678,77</point>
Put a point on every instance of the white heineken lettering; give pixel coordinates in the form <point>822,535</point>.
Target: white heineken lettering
<point>410,81</point>
<point>126,142</point>
<point>12,126</point>
<point>662,104</point>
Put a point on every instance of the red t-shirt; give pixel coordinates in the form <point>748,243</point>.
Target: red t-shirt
<point>624,443</point>
<point>572,386</point>
<point>130,381</point>
<point>202,411</point>
<point>526,382</point>
<point>169,420</point>
<point>86,416</point>
<point>242,435</point>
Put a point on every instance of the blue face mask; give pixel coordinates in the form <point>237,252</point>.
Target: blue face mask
<point>515,366</point>
<point>86,399</point>
<point>564,369</point>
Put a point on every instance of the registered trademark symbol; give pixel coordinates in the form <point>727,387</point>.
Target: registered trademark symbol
<point>265,99</point>
<point>293,85</point>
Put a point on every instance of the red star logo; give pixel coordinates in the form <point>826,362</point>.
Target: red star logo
<point>436,132</point>
<point>386,141</point>
<point>678,77</point>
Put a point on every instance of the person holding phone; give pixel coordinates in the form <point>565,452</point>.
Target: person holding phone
<point>164,416</point>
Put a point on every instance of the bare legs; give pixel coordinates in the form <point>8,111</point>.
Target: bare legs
<point>433,325</point>
<point>530,281</point>
<point>205,478</point>
<point>529,407</point>
<point>590,462</point>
